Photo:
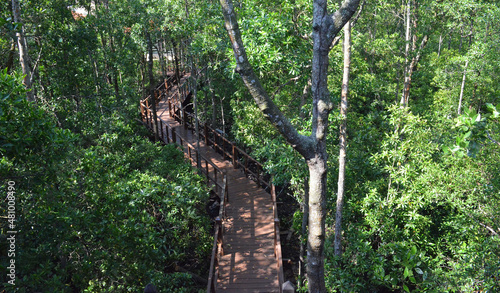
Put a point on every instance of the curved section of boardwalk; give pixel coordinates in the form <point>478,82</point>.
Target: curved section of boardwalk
<point>248,259</point>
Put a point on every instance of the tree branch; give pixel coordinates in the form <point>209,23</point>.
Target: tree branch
<point>353,22</point>
<point>491,138</point>
<point>355,19</point>
<point>303,144</point>
<point>336,21</point>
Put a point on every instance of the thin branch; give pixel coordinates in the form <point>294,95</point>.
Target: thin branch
<point>491,138</point>
<point>293,79</point>
<point>36,65</point>
<point>355,19</point>
<point>489,229</point>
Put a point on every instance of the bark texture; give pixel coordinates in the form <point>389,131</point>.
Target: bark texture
<point>313,148</point>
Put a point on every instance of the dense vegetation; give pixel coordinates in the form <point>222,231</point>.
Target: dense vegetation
<point>101,208</point>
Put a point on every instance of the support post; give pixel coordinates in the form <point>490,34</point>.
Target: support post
<point>235,158</point>
<point>184,118</point>
<point>161,131</point>
<point>206,168</point>
<point>205,128</point>
<point>166,132</point>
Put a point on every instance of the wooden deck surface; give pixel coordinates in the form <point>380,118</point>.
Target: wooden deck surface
<point>248,263</point>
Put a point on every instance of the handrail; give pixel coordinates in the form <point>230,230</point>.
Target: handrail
<point>218,248</point>
<point>238,157</point>
<point>277,241</point>
<point>192,152</point>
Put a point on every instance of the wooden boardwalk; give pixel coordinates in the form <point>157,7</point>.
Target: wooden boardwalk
<point>248,260</point>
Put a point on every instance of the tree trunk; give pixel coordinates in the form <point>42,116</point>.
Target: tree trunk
<point>410,66</point>
<point>342,139</point>
<point>406,86</point>
<point>114,69</point>
<point>176,60</point>
<point>10,60</point>
<point>305,219</point>
<point>439,46</point>
<point>317,211</point>
<point>161,57</point>
<point>152,85</point>
<point>23,51</point>
<point>462,88</point>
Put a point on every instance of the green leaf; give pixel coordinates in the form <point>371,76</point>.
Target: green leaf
<point>406,288</point>
<point>419,271</point>
<point>413,250</point>
<point>406,273</point>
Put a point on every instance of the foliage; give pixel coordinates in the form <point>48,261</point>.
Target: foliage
<point>100,208</point>
<point>99,203</point>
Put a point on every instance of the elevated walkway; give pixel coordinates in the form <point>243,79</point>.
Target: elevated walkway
<point>246,255</point>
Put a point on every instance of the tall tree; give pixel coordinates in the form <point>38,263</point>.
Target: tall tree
<point>325,27</point>
<point>343,138</point>
<point>23,51</point>
<point>412,54</point>
<point>152,83</point>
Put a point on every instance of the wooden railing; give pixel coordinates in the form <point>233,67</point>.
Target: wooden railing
<point>236,155</point>
<point>214,175</point>
<point>228,149</point>
<point>277,241</point>
<point>217,250</point>
<point>169,135</point>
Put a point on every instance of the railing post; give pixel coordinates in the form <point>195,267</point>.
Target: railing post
<point>184,118</point>
<point>223,148</point>
<point>174,135</point>
<point>151,121</point>
<point>205,128</point>
<point>246,165</point>
<point>170,108</point>
<point>142,111</point>
<point>215,179</point>
<point>235,159</point>
<point>161,131</point>
<point>198,159</point>
<point>226,188</point>
<point>166,132</point>
<point>258,175</point>
<point>206,168</point>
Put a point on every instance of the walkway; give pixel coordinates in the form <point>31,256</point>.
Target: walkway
<point>248,254</point>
